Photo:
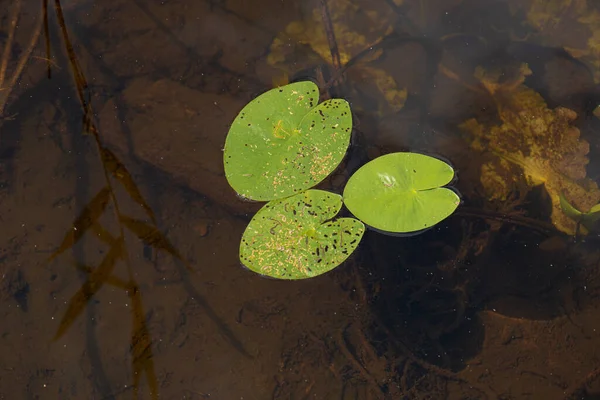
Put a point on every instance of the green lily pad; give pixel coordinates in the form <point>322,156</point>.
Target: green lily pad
<point>283,143</point>
<point>295,238</point>
<point>588,219</point>
<point>401,192</point>
<point>569,210</point>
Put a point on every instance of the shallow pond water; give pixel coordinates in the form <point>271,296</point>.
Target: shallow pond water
<point>119,268</point>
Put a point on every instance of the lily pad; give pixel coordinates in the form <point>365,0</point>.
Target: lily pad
<point>283,143</point>
<point>401,192</point>
<point>295,238</point>
<point>569,209</point>
<point>588,219</point>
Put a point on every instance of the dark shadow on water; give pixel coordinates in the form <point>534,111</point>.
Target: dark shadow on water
<point>431,287</point>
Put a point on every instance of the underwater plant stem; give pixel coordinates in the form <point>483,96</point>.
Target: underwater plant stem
<point>333,47</point>
<point>25,56</point>
<point>47,38</point>
<point>80,84</point>
<point>9,41</point>
<point>5,90</point>
<point>132,288</point>
<point>531,223</point>
<point>140,348</point>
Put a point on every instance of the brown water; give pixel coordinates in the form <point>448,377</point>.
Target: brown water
<point>121,112</point>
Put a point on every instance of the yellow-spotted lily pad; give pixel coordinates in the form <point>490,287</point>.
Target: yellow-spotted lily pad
<point>401,192</point>
<point>296,238</point>
<point>283,142</point>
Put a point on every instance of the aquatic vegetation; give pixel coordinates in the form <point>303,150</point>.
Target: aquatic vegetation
<point>548,20</point>
<point>401,192</point>
<point>357,25</point>
<point>427,293</point>
<point>146,230</point>
<point>283,143</point>
<point>586,219</point>
<point>297,237</point>
<point>278,156</point>
<point>540,142</point>
<point>7,85</point>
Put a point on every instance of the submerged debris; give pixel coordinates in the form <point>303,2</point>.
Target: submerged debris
<point>357,26</point>
<point>540,142</point>
<point>549,20</point>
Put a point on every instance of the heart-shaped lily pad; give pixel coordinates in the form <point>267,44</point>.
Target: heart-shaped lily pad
<point>401,192</point>
<point>295,238</point>
<point>283,143</point>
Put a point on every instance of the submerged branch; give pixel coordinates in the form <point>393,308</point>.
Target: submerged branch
<point>333,46</point>
<point>5,90</point>
<point>540,226</point>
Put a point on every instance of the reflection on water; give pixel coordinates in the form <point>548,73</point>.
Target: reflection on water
<point>120,272</point>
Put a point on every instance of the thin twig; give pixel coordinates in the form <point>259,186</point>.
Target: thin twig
<point>25,56</point>
<point>531,223</point>
<point>20,64</point>
<point>9,42</point>
<point>376,45</point>
<point>580,391</point>
<point>333,47</point>
<point>47,37</point>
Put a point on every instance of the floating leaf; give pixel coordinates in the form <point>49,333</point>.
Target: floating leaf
<point>151,236</point>
<point>94,282</point>
<point>118,170</point>
<point>401,192</point>
<point>569,209</point>
<point>283,143</point>
<point>88,217</point>
<point>141,346</point>
<point>295,238</point>
<point>588,219</point>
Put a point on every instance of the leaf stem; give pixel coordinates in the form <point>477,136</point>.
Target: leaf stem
<point>527,222</point>
<point>333,46</point>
